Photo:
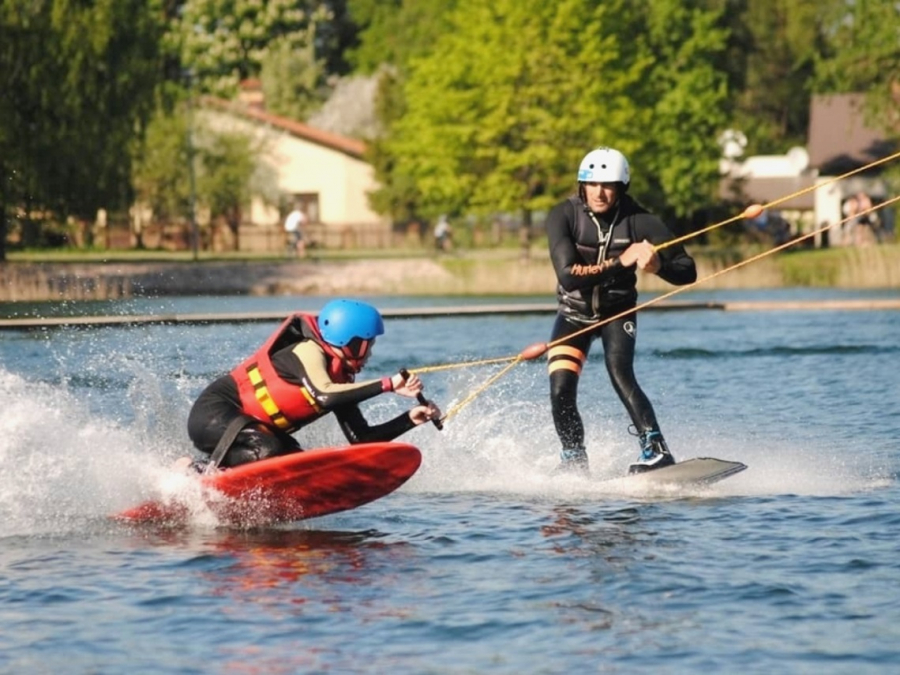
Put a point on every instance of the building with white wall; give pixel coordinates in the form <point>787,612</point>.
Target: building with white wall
<point>325,173</point>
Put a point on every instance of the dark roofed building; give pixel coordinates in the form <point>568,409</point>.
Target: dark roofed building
<point>840,139</point>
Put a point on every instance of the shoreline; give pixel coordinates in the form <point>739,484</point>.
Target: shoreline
<point>864,268</point>
<point>511,309</point>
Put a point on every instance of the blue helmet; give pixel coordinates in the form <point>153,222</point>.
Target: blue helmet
<point>342,321</point>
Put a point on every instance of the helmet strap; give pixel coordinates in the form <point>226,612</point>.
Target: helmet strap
<point>355,353</point>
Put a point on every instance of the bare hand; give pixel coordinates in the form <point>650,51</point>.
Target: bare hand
<point>644,255</point>
<point>410,387</point>
<point>425,413</point>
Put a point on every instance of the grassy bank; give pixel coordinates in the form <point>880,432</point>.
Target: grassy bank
<point>490,272</point>
<point>871,267</point>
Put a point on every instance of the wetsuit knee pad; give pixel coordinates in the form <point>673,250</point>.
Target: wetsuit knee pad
<point>563,385</point>
<point>257,442</point>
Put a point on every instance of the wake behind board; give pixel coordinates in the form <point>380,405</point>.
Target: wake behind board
<point>698,471</point>
<point>293,487</point>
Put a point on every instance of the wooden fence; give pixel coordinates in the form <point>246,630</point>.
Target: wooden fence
<point>265,239</point>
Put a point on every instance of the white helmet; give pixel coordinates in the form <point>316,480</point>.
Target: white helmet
<point>604,165</point>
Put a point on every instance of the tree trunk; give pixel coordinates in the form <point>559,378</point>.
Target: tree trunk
<point>234,224</point>
<point>3,231</point>
<point>525,235</point>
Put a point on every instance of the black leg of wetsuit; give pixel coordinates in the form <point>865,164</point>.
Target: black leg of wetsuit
<point>564,406</point>
<point>256,442</point>
<point>224,445</point>
<point>564,386</point>
<point>619,339</point>
<point>211,417</point>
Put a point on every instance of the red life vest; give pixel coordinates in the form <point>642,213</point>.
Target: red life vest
<point>270,399</point>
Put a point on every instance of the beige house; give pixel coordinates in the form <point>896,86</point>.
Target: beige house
<point>324,173</point>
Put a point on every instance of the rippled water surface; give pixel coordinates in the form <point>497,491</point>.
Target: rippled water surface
<point>482,562</point>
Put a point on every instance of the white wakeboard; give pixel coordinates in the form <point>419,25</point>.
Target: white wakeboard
<point>701,470</point>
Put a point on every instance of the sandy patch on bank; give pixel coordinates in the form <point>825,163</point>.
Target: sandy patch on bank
<point>364,277</point>
<point>98,281</point>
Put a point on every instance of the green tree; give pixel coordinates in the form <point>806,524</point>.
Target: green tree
<point>501,110</point>
<point>162,179</point>
<point>228,166</point>
<point>498,114</point>
<point>293,80</point>
<point>392,32</point>
<point>863,55</point>
<point>23,31</point>
<point>227,163</point>
<point>686,90</point>
<point>285,43</point>
<point>770,62</point>
<point>77,81</point>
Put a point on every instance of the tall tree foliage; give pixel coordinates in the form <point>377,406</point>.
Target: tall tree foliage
<point>77,81</point>
<point>501,110</point>
<point>498,114</point>
<point>23,29</point>
<point>162,178</point>
<point>286,43</point>
<point>687,93</point>
<point>293,79</point>
<point>228,169</point>
<point>778,43</point>
<point>864,56</point>
<point>228,163</point>
<point>392,32</point>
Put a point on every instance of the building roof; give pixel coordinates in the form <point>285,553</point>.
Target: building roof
<point>840,139</point>
<point>349,146</point>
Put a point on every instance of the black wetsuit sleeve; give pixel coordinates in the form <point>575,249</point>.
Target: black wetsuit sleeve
<point>572,272</point>
<point>358,430</point>
<point>676,266</point>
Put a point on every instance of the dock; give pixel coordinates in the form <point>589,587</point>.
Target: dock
<point>512,309</point>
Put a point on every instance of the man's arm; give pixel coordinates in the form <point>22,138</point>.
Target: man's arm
<point>676,266</point>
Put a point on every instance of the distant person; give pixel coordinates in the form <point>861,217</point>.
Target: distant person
<point>293,227</point>
<point>443,235</point>
<point>868,218</point>
<point>305,370</point>
<point>598,239</point>
<point>758,228</point>
<point>862,226</point>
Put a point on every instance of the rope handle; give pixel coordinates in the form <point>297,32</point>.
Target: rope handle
<point>420,397</point>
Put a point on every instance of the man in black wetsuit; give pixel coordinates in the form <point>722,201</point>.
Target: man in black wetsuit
<point>305,370</point>
<point>598,239</point>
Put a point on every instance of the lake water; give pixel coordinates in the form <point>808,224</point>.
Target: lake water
<point>482,563</point>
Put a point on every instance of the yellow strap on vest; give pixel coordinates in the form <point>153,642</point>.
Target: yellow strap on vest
<point>309,399</point>
<point>265,400</point>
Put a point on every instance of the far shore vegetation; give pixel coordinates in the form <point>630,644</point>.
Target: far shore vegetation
<point>845,267</point>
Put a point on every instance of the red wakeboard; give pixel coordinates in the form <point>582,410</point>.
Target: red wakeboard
<point>293,487</point>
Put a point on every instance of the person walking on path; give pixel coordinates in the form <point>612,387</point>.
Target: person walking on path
<point>293,228</point>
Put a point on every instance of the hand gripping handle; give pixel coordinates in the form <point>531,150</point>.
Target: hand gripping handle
<point>420,397</point>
